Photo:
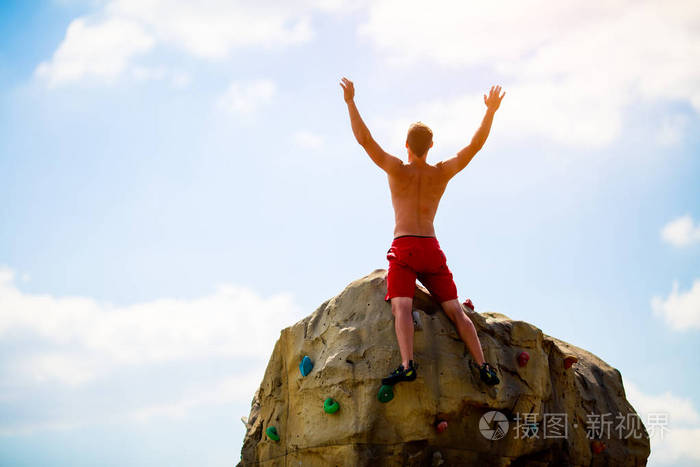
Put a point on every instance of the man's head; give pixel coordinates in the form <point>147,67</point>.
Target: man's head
<point>419,139</point>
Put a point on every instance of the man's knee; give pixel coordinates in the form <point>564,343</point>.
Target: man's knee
<point>401,306</point>
<point>453,310</point>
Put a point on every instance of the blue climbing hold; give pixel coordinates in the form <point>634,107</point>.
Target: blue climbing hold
<point>305,366</point>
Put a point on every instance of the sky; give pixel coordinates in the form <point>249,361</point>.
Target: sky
<point>179,182</point>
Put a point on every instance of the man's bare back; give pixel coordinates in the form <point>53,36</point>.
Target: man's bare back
<point>416,189</point>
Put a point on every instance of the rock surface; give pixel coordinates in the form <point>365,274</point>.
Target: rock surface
<point>350,339</point>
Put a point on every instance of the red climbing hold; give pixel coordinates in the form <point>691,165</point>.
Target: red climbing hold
<point>597,446</point>
<point>441,426</point>
<point>523,358</point>
<point>468,303</point>
<point>570,360</point>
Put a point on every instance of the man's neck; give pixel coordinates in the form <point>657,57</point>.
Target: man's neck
<point>415,160</point>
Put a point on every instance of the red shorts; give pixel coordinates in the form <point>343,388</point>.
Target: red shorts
<point>414,257</point>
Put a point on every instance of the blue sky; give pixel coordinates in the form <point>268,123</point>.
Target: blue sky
<point>178,183</point>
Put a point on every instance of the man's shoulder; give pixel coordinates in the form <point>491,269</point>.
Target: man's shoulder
<point>409,170</point>
<point>429,168</point>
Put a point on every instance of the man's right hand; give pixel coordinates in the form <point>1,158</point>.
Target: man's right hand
<point>493,101</point>
<point>348,89</point>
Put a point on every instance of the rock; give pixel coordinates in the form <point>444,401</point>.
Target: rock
<point>351,339</point>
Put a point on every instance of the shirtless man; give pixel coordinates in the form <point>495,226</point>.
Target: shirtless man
<point>416,189</point>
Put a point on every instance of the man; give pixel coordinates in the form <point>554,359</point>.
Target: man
<point>416,189</point>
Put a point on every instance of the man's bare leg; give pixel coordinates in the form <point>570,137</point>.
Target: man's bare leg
<point>402,308</point>
<point>465,328</point>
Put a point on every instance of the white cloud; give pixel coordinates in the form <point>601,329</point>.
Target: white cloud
<point>211,29</point>
<point>569,73</point>
<point>681,232</point>
<point>678,445</point>
<point>308,140</point>
<point>177,79</point>
<point>246,98</point>
<point>671,131</point>
<point>533,109</point>
<point>71,369</point>
<point>101,50</point>
<point>105,43</point>
<point>681,440</point>
<point>239,388</point>
<point>67,355</point>
<point>458,33</point>
<point>23,429</point>
<point>680,410</point>
<point>681,311</point>
<point>82,339</point>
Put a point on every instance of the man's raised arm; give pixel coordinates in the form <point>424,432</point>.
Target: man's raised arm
<point>385,161</point>
<point>454,165</point>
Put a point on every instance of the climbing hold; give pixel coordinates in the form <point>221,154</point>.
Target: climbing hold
<point>305,366</point>
<point>597,446</point>
<point>271,433</point>
<point>570,360</point>
<point>386,393</point>
<point>468,303</point>
<point>441,426</point>
<point>330,406</point>
<point>417,323</point>
<point>523,358</point>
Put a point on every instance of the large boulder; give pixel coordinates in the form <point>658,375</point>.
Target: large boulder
<point>553,415</point>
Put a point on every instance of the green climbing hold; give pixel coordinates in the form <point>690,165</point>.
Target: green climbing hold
<point>386,393</point>
<point>272,433</point>
<point>330,406</point>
